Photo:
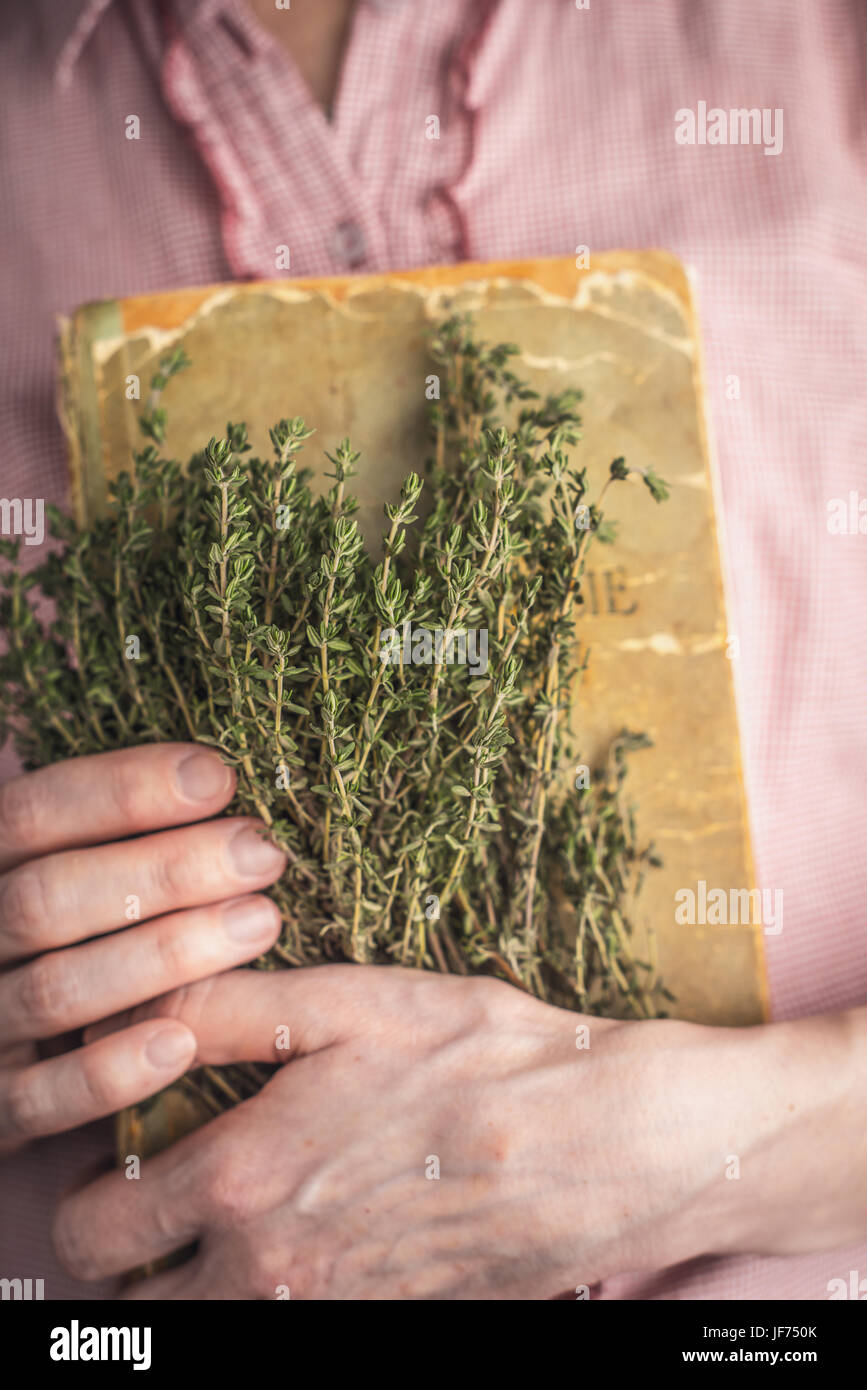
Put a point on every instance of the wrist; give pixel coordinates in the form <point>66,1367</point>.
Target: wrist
<point>794,1110</point>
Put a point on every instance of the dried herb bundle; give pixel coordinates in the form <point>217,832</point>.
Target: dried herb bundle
<point>228,604</point>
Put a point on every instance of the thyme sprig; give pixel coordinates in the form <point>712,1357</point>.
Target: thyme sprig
<point>421,807</point>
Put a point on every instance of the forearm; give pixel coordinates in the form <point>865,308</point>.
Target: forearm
<point>437,1137</point>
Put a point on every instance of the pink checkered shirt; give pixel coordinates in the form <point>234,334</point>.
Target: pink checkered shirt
<point>557,130</point>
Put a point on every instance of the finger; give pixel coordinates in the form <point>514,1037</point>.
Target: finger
<point>77,894</point>
<point>94,1081</point>
<point>204,1182</point>
<point>272,1016</point>
<point>108,796</point>
<point>63,990</point>
<point>114,1225</point>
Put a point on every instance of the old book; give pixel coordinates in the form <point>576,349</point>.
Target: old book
<point>349,355</point>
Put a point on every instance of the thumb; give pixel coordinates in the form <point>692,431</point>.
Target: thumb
<point>267,1015</point>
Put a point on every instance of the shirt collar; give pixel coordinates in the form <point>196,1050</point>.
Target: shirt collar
<point>76,22</point>
<point>79,18</point>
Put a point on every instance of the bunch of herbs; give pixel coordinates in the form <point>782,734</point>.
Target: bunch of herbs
<point>422,808</point>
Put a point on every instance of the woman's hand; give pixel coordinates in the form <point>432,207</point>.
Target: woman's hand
<point>446,1138</point>
<point>71,877</point>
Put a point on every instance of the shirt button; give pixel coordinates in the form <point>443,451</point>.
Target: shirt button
<point>348,244</point>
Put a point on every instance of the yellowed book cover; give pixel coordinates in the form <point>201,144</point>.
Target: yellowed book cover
<point>350,355</point>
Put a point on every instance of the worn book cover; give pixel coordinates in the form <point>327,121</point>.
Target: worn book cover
<point>349,354</point>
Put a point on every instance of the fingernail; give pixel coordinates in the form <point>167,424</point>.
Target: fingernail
<point>169,1047</point>
<point>251,919</point>
<point>253,855</point>
<point>202,776</point>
